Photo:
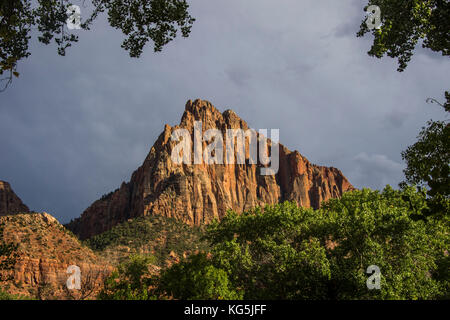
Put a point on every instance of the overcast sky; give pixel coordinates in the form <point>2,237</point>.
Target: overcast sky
<point>73,128</point>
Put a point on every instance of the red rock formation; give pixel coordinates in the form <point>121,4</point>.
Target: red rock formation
<point>45,250</point>
<point>199,193</point>
<point>32,276</point>
<point>10,203</point>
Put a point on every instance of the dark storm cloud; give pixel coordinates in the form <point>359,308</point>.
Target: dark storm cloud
<point>376,170</point>
<point>73,128</point>
<point>239,75</point>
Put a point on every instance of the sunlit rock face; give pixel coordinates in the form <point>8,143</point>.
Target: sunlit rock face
<point>199,193</point>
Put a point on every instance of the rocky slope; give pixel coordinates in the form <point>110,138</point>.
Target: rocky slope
<point>45,250</point>
<point>10,203</point>
<point>166,239</point>
<point>198,193</point>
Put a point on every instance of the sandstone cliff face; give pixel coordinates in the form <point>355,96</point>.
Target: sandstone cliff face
<point>199,193</point>
<point>45,279</point>
<point>10,203</point>
<point>45,251</point>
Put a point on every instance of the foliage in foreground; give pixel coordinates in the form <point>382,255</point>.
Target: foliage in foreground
<point>130,281</point>
<point>287,252</point>
<point>407,23</point>
<point>428,160</point>
<point>197,278</point>
<point>156,21</point>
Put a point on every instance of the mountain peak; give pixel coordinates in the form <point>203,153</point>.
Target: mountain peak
<point>199,104</point>
<point>10,203</point>
<point>199,193</point>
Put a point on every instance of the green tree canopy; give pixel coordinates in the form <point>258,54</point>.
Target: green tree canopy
<point>428,160</point>
<point>407,22</point>
<point>131,280</point>
<point>288,252</point>
<point>428,164</point>
<point>197,279</point>
<point>140,21</point>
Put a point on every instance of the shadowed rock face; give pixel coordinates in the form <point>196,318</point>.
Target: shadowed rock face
<point>10,203</point>
<point>199,193</point>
